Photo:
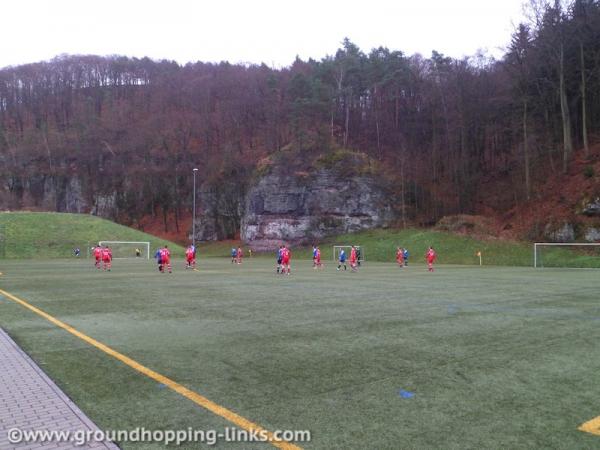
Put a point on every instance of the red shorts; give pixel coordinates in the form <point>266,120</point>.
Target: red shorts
<point>285,261</point>
<point>189,258</point>
<point>166,260</point>
<point>106,259</point>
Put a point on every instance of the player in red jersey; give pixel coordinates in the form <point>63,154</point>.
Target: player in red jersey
<point>353,259</point>
<point>106,258</point>
<point>286,255</point>
<point>318,262</point>
<point>400,257</point>
<point>165,257</point>
<point>190,257</point>
<point>239,255</point>
<point>430,256</point>
<point>98,256</point>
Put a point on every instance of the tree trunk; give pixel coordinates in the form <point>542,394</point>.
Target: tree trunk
<point>379,154</point>
<point>347,121</point>
<point>526,152</point>
<point>434,145</point>
<point>586,145</point>
<point>397,110</point>
<point>564,109</point>
<point>177,201</point>
<point>331,124</point>
<point>402,193</point>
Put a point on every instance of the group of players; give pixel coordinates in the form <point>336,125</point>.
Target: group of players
<point>237,255</point>
<point>354,259</point>
<point>402,256</point>
<point>163,259</point>
<point>103,257</point>
<point>284,255</point>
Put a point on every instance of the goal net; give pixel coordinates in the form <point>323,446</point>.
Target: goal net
<point>568,255</point>
<point>360,252</point>
<point>128,249</point>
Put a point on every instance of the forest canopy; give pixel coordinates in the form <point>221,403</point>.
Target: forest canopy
<point>134,128</point>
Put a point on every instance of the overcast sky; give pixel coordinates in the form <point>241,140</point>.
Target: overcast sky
<point>268,31</point>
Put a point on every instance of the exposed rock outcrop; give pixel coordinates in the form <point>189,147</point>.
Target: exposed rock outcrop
<point>53,193</point>
<point>65,194</point>
<point>60,193</point>
<point>592,234</point>
<point>299,208</point>
<point>105,205</point>
<point>592,208</point>
<point>564,232</point>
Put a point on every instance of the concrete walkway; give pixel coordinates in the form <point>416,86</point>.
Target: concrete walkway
<point>30,401</point>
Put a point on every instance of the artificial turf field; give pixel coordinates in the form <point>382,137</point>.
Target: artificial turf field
<point>496,357</point>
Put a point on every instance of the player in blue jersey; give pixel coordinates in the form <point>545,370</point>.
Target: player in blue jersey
<point>158,258</point>
<point>342,260</point>
<point>279,258</point>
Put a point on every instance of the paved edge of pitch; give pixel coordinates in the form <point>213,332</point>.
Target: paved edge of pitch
<point>200,400</point>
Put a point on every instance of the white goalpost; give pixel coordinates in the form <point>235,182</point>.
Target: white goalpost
<point>128,249</point>
<point>347,248</point>
<point>566,255</point>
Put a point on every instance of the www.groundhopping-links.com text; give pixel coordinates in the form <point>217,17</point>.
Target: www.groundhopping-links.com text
<point>164,437</point>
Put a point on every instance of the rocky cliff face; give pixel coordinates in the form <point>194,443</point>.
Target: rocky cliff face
<point>300,208</point>
<point>55,193</point>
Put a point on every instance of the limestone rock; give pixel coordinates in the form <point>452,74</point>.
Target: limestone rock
<point>592,208</point>
<point>592,234</point>
<point>562,233</point>
<point>300,208</point>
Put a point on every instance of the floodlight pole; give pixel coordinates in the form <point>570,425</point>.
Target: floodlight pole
<point>194,211</point>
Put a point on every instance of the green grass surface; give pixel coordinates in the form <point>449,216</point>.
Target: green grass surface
<point>51,235</point>
<point>221,248</point>
<point>381,245</point>
<point>496,357</point>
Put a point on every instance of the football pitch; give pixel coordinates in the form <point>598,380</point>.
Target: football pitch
<point>466,357</point>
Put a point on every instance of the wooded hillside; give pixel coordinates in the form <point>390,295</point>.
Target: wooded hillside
<point>119,136</point>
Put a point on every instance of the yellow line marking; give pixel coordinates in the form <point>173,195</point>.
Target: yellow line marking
<point>591,426</point>
<point>182,390</point>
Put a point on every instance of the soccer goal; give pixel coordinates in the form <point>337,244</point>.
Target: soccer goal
<point>128,249</point>
<point>347,248</point>
<point>567,255</point>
